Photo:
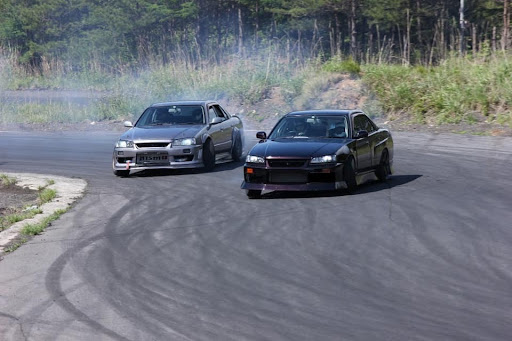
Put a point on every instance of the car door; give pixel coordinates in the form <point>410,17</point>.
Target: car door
<point>220,132</point>
<point>363,147</point>
<point>226,128</point>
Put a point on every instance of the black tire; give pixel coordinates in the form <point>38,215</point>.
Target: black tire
<point>117,172</point>
<point>208,155</point>
<point>253,193</point>
<point>123,173</point>
<point>236,151</point>
<point>349,175</point>
<point>383,169</point>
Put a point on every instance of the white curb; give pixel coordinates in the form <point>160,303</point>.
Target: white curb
<point>68,190</point>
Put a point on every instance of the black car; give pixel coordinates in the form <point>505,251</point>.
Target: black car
<point>318,150</point>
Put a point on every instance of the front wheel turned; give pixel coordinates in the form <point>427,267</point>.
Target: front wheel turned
<point>208,155</point>
<point>123,173</point>
<point>120,172</point>
<point>236,152</point>
<point>383,169</point>
<point>350,176</point>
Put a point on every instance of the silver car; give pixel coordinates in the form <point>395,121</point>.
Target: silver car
<point>187,134</point>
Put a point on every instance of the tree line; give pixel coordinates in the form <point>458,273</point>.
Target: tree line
<point>136,32</point>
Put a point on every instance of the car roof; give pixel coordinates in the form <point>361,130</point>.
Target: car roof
<point>194,102</point>
<point>328,112</point>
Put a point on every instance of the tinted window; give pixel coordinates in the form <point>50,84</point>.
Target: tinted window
<point>216,111</point>
<point>171,115</point>
<point>361,122</point>
<point>310,126</point>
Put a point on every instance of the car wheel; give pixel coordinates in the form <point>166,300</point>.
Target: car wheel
<point>208,155</point>
<point>120,172</point>
<point>349,175</point>
<point>236,152</point>
<point>383,169</point>
<point>254,193</point>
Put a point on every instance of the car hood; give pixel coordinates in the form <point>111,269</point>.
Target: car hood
<point>298,147</point>
<point>161,132</point>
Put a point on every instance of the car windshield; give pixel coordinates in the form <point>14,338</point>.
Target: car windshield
<point>311,127</point>
<point>171,115</point>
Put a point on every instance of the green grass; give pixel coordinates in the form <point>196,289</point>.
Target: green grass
<point>10,219</point>
<point>471,89</point>
<point>340,65</point>
<point>459,90</point>
<point>246,81</point>
<point>34,229</point>
<point>6,180</point>
<point>46,195</point>
<point>12,247</point>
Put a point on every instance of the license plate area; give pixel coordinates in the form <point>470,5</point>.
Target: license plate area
<point>287,177</point>
<point>153,158</point>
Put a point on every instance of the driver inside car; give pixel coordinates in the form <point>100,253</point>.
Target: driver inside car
<point>300,128</point>
<point>338,130</point>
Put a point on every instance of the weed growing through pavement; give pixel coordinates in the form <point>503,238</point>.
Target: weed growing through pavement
<point>6,180</point>
<point>34,229</point>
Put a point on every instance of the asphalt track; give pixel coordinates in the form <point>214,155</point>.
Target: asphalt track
<point>185,256</point>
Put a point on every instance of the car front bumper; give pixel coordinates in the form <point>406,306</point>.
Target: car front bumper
<point>316,178</point>
<point>138,159</point>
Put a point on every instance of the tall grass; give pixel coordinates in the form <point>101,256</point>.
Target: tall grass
<point>245,80</point>
<point>458,90</point>
<point>471,89</point>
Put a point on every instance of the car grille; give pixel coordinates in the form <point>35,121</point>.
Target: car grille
<point>277,177</point>
<point>152,144</point>
<point>285,163</point>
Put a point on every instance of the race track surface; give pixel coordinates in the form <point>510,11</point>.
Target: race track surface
<point>184,255</point>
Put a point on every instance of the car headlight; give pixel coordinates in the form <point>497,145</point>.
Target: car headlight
<point>324,159</point>
<point>184,142</point>
<point>254,159</point>
<point>124,144</point>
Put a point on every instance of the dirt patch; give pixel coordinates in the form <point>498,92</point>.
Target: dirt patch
<point>15,198</point>
<point>26,193</point>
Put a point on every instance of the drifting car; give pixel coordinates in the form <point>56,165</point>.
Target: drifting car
<point>173,135</point>
<point>318,150</point>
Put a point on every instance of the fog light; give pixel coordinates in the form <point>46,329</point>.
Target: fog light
<point>120,153</point>
<point>186,151</point>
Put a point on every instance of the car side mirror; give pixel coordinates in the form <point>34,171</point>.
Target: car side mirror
<point>261,135</point>
<point>128,124</point>
<point>361,134</point>
<point>216,120</point>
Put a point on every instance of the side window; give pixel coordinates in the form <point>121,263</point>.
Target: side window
<point>225,114</point>
<point>219,111</point>
<point>211,114</point>
<point>369,126</point>
<point>358,124</point>
<point>361,122</point>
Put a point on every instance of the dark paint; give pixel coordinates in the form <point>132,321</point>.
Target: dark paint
<point>364,146</point>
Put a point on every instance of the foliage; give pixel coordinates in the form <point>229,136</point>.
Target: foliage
<point>34,229</point>
<point>6,180</point>
<point>124,35</point>
<point>337,64</point>
<point>46,195</point>
<point>458,90</point>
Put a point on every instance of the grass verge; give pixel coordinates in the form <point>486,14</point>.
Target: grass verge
<point>6,180</point>
<point>34,229</point>
<point>15,215</point>
<point>469,90</point>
